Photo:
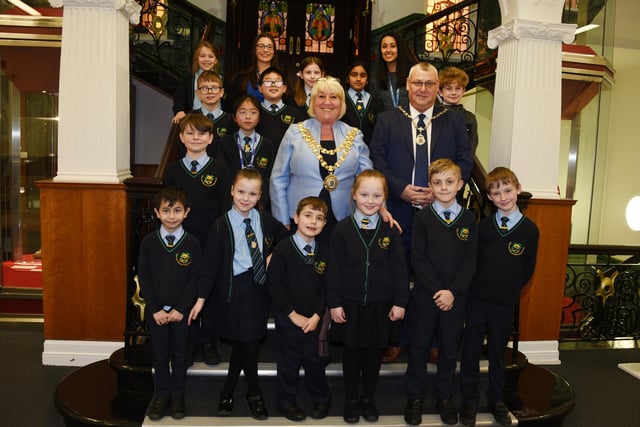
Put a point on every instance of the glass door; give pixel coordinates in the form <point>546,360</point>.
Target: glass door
<point>28,127</point>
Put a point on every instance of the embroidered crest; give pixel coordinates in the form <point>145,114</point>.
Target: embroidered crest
<point>209,180</point>
<point>287,118</point>
<point>183,258</point>
<point>262,162</point>
<point>221,131</point>
<point>384,242</point>
<point>320,267</point>
<point>371,117</point>
<point>516,248</point>
<point>268,241</point>
<point>462,233</point>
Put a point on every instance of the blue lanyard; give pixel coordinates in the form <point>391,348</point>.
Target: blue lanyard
<point>240,152</point>
<point>394,99</point>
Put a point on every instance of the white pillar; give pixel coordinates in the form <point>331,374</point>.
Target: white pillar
<point>525,133</point>
<point>93,129</point>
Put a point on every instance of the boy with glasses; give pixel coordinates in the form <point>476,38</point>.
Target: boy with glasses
<point>210,92</point>
<point>275,115</point>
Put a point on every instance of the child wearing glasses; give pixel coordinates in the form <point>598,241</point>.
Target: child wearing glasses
<point>263,55</point>
<point>246,148</point>
<point>275,114</point>
<point>185,98</point>
<point>210,92</point>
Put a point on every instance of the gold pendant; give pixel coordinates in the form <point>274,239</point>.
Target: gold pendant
<point>420,139</point>
<point>330,183</point>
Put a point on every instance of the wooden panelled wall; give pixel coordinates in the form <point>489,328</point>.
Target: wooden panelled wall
<point>541,300</point>
<point>84,263</point>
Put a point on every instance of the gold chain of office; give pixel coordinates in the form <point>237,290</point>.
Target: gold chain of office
<point>420,138</point>
<point>330,182</point>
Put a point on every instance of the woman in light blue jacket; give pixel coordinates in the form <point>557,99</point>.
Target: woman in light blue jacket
<point>319,157</point>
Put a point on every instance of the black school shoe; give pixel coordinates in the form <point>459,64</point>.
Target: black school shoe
<point>500,412</point>
<point>210,354</point>
<point>447,411</point>
<point>178,409</point>
<point>157,408</point>
<point>291,411</point>
<point>320,410</point>
<point>225,406</point>
<point>369,410</point>
<point>257,407</point>
<point>413,412</point>
<point>468,414</point>
<point>351,412</point>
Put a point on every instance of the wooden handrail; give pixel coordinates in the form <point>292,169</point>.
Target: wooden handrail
<point>170,153</point>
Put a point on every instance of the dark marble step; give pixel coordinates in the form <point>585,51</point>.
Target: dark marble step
<point>94,396</point>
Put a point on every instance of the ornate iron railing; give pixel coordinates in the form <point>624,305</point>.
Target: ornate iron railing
<point>452,34</point>
<point>164,41</point>
<point>602,288</point>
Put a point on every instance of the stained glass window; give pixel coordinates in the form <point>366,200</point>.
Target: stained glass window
<point>272,19</point>
<point>319,28</point>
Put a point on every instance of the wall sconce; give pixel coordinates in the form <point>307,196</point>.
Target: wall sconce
<point>633,213</point>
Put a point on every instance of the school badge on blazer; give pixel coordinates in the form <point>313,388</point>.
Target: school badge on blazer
<point>516,248</point>
<point>262,162</point>
<point>221,132</point>
<point>183,258</point>
<point>371,117</point>
<point>287,118</point>
<point>384,242</point>
<point>209,180</point>
<point>462,233</point>
<point>268,241</point>
<point>320,267</point>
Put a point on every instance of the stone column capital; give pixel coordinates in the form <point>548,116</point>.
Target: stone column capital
<point>522,28</point>
<point>129,8</point>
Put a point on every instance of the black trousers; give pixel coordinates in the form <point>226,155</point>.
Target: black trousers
<point>496,321</point>
<point>298,349</point>
<point>169,347</point>
<point>427,322</point>
<point>205,329</point>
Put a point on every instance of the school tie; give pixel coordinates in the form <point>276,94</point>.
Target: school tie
<point>447,216</point>
<point>422,161</point>
<point>365,223</point>
<point>274,108</point>
<point>308,259</point>
<point>170,239</point>
<point>210,116</point>
<point>246,152</point>
<point>194,167</point>
<point>259,272</point>
<point>504,220</point>
<point>359,103</point>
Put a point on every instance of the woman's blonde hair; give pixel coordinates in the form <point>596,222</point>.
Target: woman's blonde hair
<point>330,85</point>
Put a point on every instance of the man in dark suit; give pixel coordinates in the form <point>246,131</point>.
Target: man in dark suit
<point>406,139</point>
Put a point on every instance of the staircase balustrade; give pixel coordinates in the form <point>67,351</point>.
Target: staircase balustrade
<point>602,288</point>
